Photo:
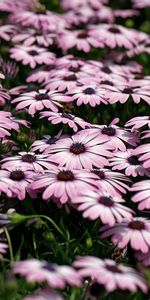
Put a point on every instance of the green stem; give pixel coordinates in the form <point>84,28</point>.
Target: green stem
<point>9,244</point>
<point>51,221</point>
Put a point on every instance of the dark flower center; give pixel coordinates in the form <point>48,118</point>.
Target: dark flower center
<point>33,52</point>
<point>110,131</point>
<point>65,176</point>
<point>106,201</point>
<point>133,160</point>
<point>147,45</point>
<point>114,30</point>
<point>49,266</point>
<point>113,269</point>
<point>99,173</point>
<point>67,116</point>
<point>106,70</point>
<point>17,175</point>
<point>41,96</point>
<point>75,70</point>
<point>70,78</point>
<point>52,141</point>
<point>82,35</point>
<point>137,225</point>
<point>128,91</point>
<point>89,91</point>
<point>29,158</point>
<point>107,82</point>
<point>77,148</point>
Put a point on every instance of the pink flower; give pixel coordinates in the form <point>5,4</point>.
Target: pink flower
<point>18,178</point>
<point>143,152</point>
<point>118,136</point>
<point>113,182</point>
<point>46,143</point>
<point>142,196</point>
<point>42,271</point>
<point>44,294</point>
<point>126,13</point>
<point>135,232</point>
<point>37,101</point>
<point>63,183</point>
<point>121,94</point>
<point>116,35</point>
<point>82,150</point>
<point>6,31</point>
<point>144,258</point>
<point>108,273</point>
<point>7,186</point>
<point>65,118</point>
<point>66,4</point>
<point>7,123</point>
<point>62,83</point>
<point>30,36</point>
<point>32,55</point>
<point>80,39</point>
<point>141,4</point>
<point>88,94</point>
<point>128,161</point>
<point>3,249</point>
<point>101,204</point>
<point>138,122</point>
<point>4,96</point>
<point>28,161</point>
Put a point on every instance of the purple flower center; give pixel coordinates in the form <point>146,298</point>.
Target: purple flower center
<point>89,91</point>
<point>52,141</point>
<point>33,53</point>
<point>99,173</point>
<point>110,131</point>
<point>106,70</point>
<point>137,225</point>
<point>17,175</point>
<point>106,201</point>
<point>113,269</point>
<point>77,148</point>
<point>133,160</point>
<point>107,82</point>
<point>29,158</point>
<point>114,30</point>
<point>74,70</point>
<point>65,176</point>
<point>67,116</point>
<point>128,91</point>
<point>41,96</point>
<point>82,35</point>
<point>70,78</point>
<point>49,266</point>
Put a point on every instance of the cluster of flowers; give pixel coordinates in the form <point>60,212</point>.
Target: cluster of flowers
<point>100,170</point>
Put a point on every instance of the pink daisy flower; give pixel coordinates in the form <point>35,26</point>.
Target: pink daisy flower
<point>121,94</point>
<point>116,35</point>
<point>88,94</point>
<point>126,13</point>
<point>65,118</point>
<point>38,100</point>
<point>32,55</point>
<point>28,161</point>
<point>141,4</point>
<point>7,186</point>
<point>143,152</point>
<point>113,182</point>
<point>19,178</point>
<point>7,124</point>
<point>42,271</point>
<point>46,142</point>
<point>41,74</point>
<point>138,122</point>
<point>118,136</point>
<point>30,36</point>
<point>63,184</point>
<point>6,32</point>
<point>135,232</point>
<point>4,96</point>
<point>111,275</point>
<point>144,258</point>
<point>80,39</point>
<point>66,4</point>
<point>3,249</point>
<point>44,294</point>
<point>128,161</point>
<point>66,81</point>
<point>142,195</point>
<point>100,204</point>
<point>82,150</point>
